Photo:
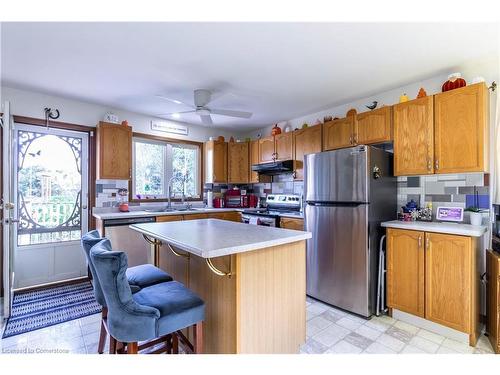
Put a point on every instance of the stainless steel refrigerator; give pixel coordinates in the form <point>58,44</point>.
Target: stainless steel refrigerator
<point>348,192</point>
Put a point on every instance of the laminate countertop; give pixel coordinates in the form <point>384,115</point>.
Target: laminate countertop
<point>436,227</point>
<point>154,213</point>
<point>208,238</point>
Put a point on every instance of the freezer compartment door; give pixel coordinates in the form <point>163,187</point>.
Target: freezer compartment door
<point>337,176</point>
<point>337,256</point>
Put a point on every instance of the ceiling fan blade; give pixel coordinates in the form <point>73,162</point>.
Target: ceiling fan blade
<point>231,113</point>
<point>206,119</point>
<point>174,101</point>
<point>175,113</point>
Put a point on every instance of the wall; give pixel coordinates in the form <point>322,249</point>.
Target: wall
<point>488,69</point>
<point>31,104</point>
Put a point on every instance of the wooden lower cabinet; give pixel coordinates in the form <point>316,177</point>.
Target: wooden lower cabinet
<point>405,271</point>
<point>291,223</point>
<point>160,219</point>
<point>493,299</point>
<point>448,280</point>
<point>434,276</point>
<point>230,216</point>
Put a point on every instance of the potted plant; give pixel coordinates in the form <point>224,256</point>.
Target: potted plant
<point>476,216</point>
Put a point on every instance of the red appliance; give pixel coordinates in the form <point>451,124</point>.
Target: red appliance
<point>218,202</point>
<point>233,198</point>
<point>252,201</point>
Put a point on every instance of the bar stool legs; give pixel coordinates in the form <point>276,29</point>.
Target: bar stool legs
<point>198,338</point>
<point>104,332</point>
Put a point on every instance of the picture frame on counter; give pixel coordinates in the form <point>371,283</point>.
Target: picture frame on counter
<point>455,214</point>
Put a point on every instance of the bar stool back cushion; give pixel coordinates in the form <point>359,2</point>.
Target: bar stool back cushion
<point>127,320</point>
<point>88,241</point>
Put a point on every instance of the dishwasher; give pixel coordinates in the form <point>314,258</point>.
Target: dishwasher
<point>130,241</point>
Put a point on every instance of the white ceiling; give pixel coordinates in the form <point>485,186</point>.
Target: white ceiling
<point>278,71</point>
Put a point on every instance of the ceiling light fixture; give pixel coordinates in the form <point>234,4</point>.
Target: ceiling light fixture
<point>176,115</point>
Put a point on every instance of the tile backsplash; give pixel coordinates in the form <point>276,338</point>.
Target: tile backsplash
<point>445,190</point>
<point>106,192</point>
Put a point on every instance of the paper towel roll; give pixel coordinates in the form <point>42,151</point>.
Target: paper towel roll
<point>210,199</point>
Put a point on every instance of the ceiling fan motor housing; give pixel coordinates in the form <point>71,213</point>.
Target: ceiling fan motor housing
<point>201,97</point>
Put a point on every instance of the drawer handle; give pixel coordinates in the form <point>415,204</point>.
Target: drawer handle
<point>419,241</point>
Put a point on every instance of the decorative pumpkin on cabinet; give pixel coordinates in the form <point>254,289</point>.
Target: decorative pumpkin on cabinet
<point>276,130</point>
<point>454,81</point>
<point>421,93</point>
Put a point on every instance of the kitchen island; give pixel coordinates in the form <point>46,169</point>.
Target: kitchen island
<point>252,279</point>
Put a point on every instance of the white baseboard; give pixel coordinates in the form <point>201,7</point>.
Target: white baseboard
<point>431,326</point>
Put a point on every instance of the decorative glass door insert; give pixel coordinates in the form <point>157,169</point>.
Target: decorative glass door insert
<point>51,181</point>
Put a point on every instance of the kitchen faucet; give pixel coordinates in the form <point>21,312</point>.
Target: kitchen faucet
<point>169,189</point>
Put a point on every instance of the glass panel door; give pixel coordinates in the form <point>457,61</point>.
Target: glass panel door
<point>51,187</point>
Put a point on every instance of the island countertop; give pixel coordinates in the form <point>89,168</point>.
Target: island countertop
<point>208,238</point>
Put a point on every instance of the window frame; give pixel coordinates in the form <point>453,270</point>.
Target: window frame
<point>149,138</point>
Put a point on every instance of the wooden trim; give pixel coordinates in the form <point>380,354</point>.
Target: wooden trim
<point>91,150</point>
<point>170,140</point>
<point>165,139</point>
<point>53,124</point>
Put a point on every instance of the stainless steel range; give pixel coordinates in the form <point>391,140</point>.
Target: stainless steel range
<point>276,205</point>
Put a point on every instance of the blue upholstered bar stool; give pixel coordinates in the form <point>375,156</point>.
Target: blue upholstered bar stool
<point>153,313</point>
<point>138,277</point>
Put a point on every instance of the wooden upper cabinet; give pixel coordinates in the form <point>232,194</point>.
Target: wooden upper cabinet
<point>283,146</point>
<point>266,149</point>
<point>215,162</point>
<point>461,130</point>
<point>238,162</point>
<point>374,126</point>
<point>413,137</point>
<point>448,283</point>
<point>339,133</point>
<point>253,159</point>
<point>405,271</point>
<point>307,141</point>
<point>114,151</point>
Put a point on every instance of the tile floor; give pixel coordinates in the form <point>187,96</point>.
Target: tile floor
<point>329,331</point>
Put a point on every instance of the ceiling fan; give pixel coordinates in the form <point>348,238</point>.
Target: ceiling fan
<point>202,98</point>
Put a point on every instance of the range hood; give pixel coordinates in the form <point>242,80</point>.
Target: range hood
<point>273,168</point>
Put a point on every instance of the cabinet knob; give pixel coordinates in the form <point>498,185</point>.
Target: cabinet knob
<point>350,140</point>
<point>419,241</point>
<point>436,164</point>
<point>427,243</point>
<point>429,165</point>
<point>355,138</point>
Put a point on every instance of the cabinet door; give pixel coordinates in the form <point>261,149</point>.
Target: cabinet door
<point>448,269</point>
<point>307,141</point>
<point>195,216</point>
<point>114,145</point>
<point>230,216</point>
<point>374,126</point>
<point>413,137</point>
<point>291,223</point>
<point>339,133</point>
<point>460,130</point>
<point>283,145</point>
<point>266,149</point>
<point>254,159</point>
<point>405,270</point>
<point>215,162</point>
<point>167,218</point>
<point>238,162</point>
